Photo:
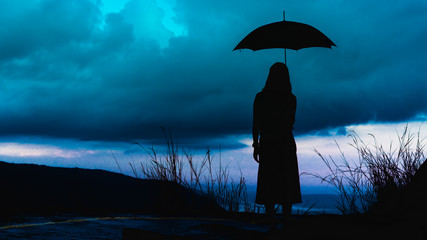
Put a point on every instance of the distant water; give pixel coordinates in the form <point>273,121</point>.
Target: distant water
<point>311,203</point>
<point>318,204</point>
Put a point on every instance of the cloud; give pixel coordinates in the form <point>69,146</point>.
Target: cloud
<point>12,149</point>
<point>69,69</point>
<point>29,26</point>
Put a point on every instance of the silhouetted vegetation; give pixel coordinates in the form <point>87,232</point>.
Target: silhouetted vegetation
<point>379,175</point>
<point>199,175</point>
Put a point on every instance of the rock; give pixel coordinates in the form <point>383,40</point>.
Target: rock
<point>409,201</point>
<point>415,196</point>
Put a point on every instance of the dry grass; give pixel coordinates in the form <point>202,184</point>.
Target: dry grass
<point>199,175</point>
<point>378,174</point>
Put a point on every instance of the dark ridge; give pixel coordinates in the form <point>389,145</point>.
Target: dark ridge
<point>409,201</point>
<point>30,189</point>
<point>415,195</point>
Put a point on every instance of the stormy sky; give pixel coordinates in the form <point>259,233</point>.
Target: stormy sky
<point>122,70</point>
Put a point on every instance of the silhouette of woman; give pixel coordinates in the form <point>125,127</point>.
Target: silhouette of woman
<point>274,144</point>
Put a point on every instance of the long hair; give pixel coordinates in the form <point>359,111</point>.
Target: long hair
<point>278,79</point>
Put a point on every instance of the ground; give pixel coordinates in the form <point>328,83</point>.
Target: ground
<point>243,226</point>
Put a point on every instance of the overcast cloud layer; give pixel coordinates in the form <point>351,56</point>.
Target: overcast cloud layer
<point>71,69</point>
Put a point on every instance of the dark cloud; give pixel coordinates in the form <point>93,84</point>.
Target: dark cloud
<point>29,26</point>
<point>69,70</point>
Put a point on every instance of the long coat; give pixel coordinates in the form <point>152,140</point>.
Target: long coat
<point>278,177</point>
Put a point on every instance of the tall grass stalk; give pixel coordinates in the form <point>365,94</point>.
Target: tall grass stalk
<point>199,175</point>
<point>377,176</point>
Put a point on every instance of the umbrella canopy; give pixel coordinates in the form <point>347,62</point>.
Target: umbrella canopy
<point>285,34</point>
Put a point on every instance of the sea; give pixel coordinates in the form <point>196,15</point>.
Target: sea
<point>317,204</point>
<point>312,204</point>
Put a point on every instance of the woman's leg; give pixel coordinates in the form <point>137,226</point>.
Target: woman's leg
<point>286,209</point>
<point>269,209</point>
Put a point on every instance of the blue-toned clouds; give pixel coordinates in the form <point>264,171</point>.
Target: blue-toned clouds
<point>77,69</point>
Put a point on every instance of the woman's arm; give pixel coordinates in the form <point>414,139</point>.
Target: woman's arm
<point>294,109</point>
<point>255,131</point>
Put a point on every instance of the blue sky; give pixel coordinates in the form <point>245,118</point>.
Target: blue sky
<point>79,79</point>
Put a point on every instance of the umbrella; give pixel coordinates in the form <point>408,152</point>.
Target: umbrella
<point>284,34</point>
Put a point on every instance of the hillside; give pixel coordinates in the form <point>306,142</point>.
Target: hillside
<point>29,188</point>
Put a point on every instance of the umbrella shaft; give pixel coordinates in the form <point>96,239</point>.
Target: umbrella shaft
<point>285,55</point>
<point>284,20</point>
